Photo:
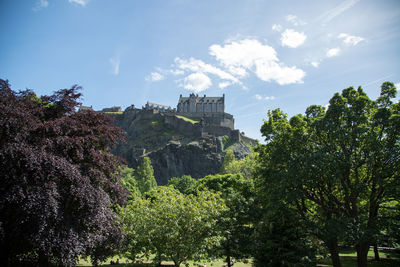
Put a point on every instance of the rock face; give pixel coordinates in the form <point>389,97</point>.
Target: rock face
<point>176,146</point>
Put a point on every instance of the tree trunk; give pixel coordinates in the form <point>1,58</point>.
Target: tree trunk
<point>362,254</point>
<point>228,260</point>
<point>334,251</point>
<point>376,252</point>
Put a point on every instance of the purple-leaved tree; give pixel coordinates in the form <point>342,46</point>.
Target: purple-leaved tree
<point>59,181</point>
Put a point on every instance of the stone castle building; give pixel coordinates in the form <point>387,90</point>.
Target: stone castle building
<point>196,104</point>
<point>159,107</point>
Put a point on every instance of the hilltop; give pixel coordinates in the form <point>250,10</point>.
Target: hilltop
<point>179,144</point>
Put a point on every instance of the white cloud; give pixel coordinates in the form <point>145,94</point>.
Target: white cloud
<point>333,52</point>
<point>259,97</point>
<point>334,12</point>
<point>114,61</point>
<point>177,72</point>
<point>294,20</point>
<point>261,59</point>
<point>196,65</point>
<point>350,39</point>
<point>40,4</point>
<point>238,71</point>
<point>79,2</point>
<point>197,82</point>
<point>315,64</point>
<point>154,77</point>
<point>277,27</point>
<point>270,70</point>
<point>222,85</point>
<point>292,38</point>
<point>397,86</point>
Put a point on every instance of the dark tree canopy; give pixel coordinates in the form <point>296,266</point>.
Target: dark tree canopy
<point>58,179</point>
<point>337,167</point>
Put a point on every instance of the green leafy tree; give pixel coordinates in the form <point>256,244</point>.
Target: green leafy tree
<point>336,167</point>
<point>184,184</point>
<point>171,225</point>
<point>281,239</point>
<point>128,180</point>
<point>229,157</point>
<point>244,166</point>
<point>144,176</point>
<point>236,222</point>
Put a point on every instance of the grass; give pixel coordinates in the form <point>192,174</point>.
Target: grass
<point>116,112</point>
<point>125,263</point>
<point>348,259</point>
<point>187,119</point>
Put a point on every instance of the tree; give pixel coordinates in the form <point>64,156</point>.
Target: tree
<point>128,180</point>
<point>144,176</point>
<point>281,240</point>
<point>229,157</point>
<point>236,222</point>
<point>59,181</point>
<point>336,167</point>
<point>184,184</point>
<point>171,225</point>
<point>244,166</point>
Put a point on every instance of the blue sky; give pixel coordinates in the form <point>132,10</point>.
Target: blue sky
<point>261,54</point>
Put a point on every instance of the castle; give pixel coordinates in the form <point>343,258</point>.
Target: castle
<point>210,111</point>
<point>207,116</point>
<point>196,104</point>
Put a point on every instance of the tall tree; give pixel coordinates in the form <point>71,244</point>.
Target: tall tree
<point>128,180</point>
<point>235,223</point>
<point>58,179</point>
<point>337,167</point>
<point>281,239</point>
<point>171,225</point>
<point>144,176</point>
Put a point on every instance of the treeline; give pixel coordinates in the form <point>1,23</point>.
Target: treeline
<point>323,180</point>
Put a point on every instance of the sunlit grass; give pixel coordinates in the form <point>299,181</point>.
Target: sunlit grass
<point>348,259</point>
<point>187,119</point>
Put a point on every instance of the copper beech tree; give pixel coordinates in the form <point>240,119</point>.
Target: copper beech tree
<point>59,181</point>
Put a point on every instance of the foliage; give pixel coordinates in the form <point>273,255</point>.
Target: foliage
<point>184,184</point>
<point>59,180</point>
<point>128,180</point>
<point>171,225</point>
<point>229,157</point>
<point>337,167</point>
<point>235,222</point>
<point>245,166</point>
<point>144,176</point>
<point>281,239</point>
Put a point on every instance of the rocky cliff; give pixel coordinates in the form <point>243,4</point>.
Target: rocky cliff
<point>175,144</point>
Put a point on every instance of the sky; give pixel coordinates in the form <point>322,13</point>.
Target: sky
<point>262,55</point>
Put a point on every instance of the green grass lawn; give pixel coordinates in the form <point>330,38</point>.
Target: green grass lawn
<point>125,262</point>
<point>347,257</point>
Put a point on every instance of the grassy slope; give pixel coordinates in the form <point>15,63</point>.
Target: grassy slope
<point>187,119</point>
